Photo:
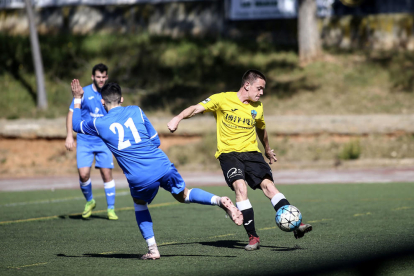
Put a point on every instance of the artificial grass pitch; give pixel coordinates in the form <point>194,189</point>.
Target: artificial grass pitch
<point>358,229</point>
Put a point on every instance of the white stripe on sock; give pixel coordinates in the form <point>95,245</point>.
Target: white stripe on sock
<point>83,184</point>
<point>244,205</point>
<point>278,197</point>
<point>110,184</point>
<point>140,207</point>
<point>187,198</point>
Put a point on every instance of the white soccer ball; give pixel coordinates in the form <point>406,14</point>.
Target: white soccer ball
<point>288,218</point>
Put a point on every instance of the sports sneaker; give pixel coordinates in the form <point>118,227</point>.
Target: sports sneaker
<point>152,254</point>
<point>112,215</point>
<point>234,213</point>
<point>303,228</point>
<point>254,243</point>
<point>89,206</point>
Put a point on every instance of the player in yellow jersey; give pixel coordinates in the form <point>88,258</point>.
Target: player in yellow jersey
<point>240,119</point>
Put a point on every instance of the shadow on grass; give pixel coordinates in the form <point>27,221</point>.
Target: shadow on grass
<point>242,244</point>
<point>79,217</point>
<point>237,244</point>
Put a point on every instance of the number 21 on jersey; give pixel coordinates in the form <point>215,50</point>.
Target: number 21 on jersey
<point>121,133</point>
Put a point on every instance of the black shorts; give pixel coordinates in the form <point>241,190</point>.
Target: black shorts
<point>249,166</point>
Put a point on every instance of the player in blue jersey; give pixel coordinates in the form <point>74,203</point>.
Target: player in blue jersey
<point>89,147</point>
<point>134,142</point>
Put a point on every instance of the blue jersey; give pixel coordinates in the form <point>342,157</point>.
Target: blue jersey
<point>91,107</point>
<point>132,139</point>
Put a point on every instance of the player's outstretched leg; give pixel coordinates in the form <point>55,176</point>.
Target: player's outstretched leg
<point>144,222</point>
<point>278,201</point>
<point>200,196</point>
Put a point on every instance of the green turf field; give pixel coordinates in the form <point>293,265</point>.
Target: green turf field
<point>358,229</point>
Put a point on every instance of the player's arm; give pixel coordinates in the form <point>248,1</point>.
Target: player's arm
<point>153,134</point>
<point>185,114</point>
<point>262,134</point>
<point>69,142</point>
<point>79,126</point>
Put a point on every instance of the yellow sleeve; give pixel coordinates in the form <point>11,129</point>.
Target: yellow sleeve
<point>212,103</point>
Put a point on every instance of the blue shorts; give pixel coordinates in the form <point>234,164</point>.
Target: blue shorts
<point>171,182</point>
<point>85,153</point>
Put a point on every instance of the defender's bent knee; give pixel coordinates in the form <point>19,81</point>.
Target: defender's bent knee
<point>181,196</point>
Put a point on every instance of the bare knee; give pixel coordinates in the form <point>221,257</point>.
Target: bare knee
<point>240,188</point>
<point>139,201</point>
<point>84,174</point>
<point>268,188</point>
<point>181,196</point>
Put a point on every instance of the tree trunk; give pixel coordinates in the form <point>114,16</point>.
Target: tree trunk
<point>37,58</point>
<point>308,33</point>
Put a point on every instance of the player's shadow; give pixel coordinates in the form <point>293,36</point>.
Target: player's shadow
<point>242,244</point>
<point>79,217</point>
<point>237,244</point>
<point>97,255</point>
<point>284,248</point>
<point>220,244</point>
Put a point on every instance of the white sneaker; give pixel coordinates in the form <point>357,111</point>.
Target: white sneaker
<point>234,213</point>
<point>152,254</point>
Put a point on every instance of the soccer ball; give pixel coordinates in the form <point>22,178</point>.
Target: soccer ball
<point>288,218</point>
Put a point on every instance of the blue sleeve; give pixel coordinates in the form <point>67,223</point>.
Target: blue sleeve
<point>85,127</point>
<point>151,131</point>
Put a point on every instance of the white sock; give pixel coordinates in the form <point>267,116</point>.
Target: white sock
<point>150,241</point>
<point>278,197</point>
<point>215,200</point>
<point>244,205</point>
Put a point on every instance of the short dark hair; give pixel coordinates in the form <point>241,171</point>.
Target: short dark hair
<point>252,75</point>
<point>100,67</point>
<point>111,93</point>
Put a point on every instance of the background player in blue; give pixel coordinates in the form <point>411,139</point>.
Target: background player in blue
<point>90,146</point>
<point>134,142</point>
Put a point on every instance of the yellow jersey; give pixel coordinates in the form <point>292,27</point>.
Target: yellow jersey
<point>236,122</point>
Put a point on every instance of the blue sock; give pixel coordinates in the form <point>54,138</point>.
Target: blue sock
<point>200,196</point>
<point>110,193</point>
<point>144,221</point>
<point>86,188</point>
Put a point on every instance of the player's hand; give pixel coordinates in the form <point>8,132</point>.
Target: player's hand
<point>77,90</point>
<point>173,124</point>
<point>271,156</point>
<point>69,143</point>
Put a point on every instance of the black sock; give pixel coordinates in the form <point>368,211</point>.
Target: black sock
<point>281,203</point>
<point>248,222</point>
